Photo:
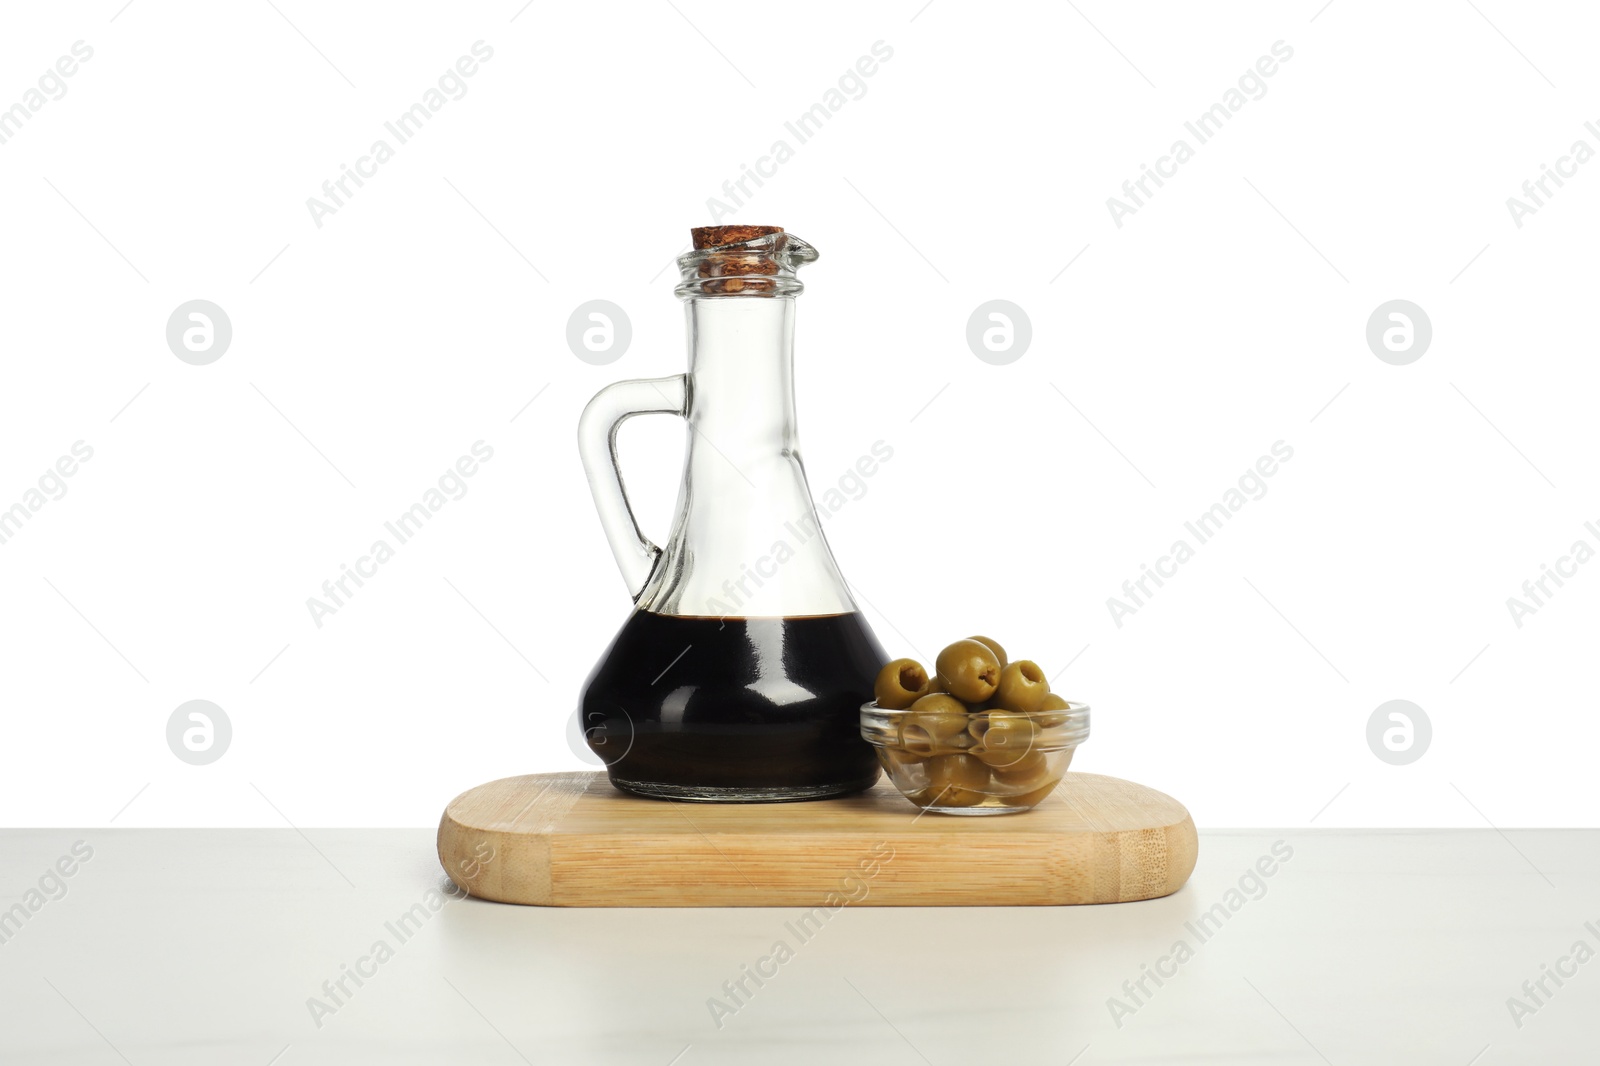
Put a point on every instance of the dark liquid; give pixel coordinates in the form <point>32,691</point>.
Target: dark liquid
<point>738,709</point>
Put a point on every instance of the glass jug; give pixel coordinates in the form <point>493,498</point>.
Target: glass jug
<point>740,674</point>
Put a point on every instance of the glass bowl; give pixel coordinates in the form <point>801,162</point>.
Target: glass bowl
<point>975,762</point>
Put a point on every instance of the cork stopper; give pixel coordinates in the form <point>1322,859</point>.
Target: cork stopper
<point>718,236</point>
<point>737,271</point>
<point>742,261</point>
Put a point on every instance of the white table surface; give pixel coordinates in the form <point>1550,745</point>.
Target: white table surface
<point>203,946</point>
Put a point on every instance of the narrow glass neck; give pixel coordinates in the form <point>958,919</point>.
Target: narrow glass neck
<point>747,540</point>
<point>741,370</point>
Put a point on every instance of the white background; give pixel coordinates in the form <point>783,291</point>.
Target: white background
<point>1222,317</point>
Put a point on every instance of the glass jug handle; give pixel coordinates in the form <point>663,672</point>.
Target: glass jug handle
<point>597,446</point>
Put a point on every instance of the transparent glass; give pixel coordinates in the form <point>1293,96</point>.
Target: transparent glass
<point>976,762</point>
<point>740,673</point>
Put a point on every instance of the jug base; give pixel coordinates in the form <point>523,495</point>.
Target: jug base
<point>715,794</point>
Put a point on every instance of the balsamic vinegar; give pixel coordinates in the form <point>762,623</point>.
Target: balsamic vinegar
<point>755,709</point>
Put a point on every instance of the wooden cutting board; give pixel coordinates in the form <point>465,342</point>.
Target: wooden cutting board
<point>571,840</point>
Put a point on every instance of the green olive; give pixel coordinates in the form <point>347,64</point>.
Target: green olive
<point>896,762</point>
<point>937,723</point>
<point>994,646</point>
<point>1026,771</point>
<point>969,670</point>
<point>900,684</point>
<point>1022,687</point>
<point>1004,737</point>
<point>957,780</point>
<point>1034,798</point>
<point>947,797</point>
<point>960,770</point>
<point>940,703</point>
<point>1047,717</point>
